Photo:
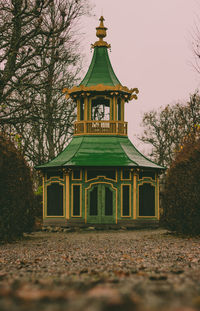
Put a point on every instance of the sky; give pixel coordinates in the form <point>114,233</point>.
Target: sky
<point>151,49</point>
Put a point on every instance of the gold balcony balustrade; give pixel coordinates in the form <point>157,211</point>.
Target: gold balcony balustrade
<point>100,127</point>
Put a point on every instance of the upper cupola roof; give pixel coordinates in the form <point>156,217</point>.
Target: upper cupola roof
<point>100,70</point>
<point>100,76</point>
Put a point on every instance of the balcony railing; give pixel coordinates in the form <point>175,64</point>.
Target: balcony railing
<point>100,127</point>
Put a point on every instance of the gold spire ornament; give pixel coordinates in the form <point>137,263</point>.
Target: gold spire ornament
<point>101,33</point>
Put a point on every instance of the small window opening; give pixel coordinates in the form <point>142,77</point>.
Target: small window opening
<point>93,202</point>
<point>126,200</point>
<point>76,200</point>
<point>76,174</point>
<point>100,109</point>
<point>119,109</point>
<point>108,202</point>
<point>82,109</point>
<point>125,174</point>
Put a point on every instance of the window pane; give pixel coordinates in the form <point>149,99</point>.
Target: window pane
<point>82,109</point>
<point>93,202</point>
<point>55,200</point>
<point>76,200</point>
<point>100,109</point>
<point>126,200</point>
<point>108,202</point>
<point>119,109</point>
<point>146,200</point>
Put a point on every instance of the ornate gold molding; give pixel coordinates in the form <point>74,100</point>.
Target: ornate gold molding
<point>101,33</point>
<point>118,89</point>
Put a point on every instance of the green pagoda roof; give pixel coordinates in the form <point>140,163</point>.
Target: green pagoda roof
<point>100,70</point>
<point>100,151</point>
<point>100,76</point>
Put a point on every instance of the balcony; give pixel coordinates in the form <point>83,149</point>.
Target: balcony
<point>100,128</point>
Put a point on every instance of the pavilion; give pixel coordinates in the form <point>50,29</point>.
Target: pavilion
<point>100,178</point>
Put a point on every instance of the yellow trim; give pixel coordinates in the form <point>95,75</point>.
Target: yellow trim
<point>111,109</point>
<point>147,179</point>
<point>95,127</point>
<point>131,93</point>
<point>59,181</point>
<point>128,216</point>
<point>85,109</point>
<point>52,178</point>
<point>67,195</point>
<point>122,109</point>
<point>101,43</point>
<point>78,109</point>
<point>101,176</point>
<point>114,109</point>
<point>134,196</point>
<point>90,186</point>
<point>81,175</point>
<point>72,200</point>
<point>139,185</point>
<point>47,185</point>
<point>124,179</point>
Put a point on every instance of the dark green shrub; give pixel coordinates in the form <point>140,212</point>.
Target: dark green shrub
<point>16,192</point>
<point>181,196</point>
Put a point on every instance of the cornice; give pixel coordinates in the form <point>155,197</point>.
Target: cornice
<point>83,90</point>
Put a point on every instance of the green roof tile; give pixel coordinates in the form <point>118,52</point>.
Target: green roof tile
<point>100,151</point>
<point>100,70</point>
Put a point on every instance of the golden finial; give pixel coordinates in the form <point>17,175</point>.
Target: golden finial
<point>101,33</point>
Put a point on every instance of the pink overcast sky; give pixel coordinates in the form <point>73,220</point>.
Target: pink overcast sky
<point>151,48</point>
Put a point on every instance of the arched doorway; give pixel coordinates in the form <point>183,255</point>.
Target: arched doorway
<point>101,207</point>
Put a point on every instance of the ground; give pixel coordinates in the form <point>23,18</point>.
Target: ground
<point>93,270</point>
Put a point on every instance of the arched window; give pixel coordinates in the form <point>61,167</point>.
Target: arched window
<point>100,109</point>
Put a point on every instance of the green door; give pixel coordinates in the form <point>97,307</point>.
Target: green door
<point>101,204</point>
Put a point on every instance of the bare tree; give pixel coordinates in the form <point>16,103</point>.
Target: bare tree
<point>196,46</point>
<point>166,130</point>
<point>35,108</point>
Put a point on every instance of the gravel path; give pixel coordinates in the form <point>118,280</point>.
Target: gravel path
<point>101,271</point>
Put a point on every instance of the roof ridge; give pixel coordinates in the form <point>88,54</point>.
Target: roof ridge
<point>126,153</point>
<point>110,68</point>
<point>58,155</point>
<point>146,158</point>
<point>75,151</point>
<point>90,69</point>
